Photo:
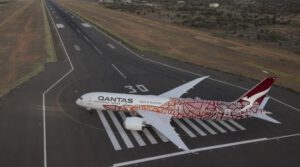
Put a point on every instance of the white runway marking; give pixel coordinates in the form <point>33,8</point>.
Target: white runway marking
<point>149,136</point>
<point>53,85</point>
<point>227,126</point>
<point>109,131</point>
<point>111,46</point>
<point>98,50</point>
<point>184,128</point>
<point>77,48</point>
<point>119,127</point>
<point>86,38</point>
<point>161,136</point>
<point>135,134</point>
<point>86,25</point>
<point>210,130</point>
<point>217,126</point>
<point>119,71</point>
<point>237,125</point>
<point>59,25</point>
<point>188,152</point>
<point>203,149</point>
<point>196,128</point>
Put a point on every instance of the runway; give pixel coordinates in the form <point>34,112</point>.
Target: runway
<point>90,60</point>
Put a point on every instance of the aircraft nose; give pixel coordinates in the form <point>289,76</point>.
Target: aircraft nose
<point>78,102</point>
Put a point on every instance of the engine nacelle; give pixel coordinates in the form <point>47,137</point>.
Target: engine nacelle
<point>134,123</point>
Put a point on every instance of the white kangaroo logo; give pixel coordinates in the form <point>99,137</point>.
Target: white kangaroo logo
<point>253,98</point>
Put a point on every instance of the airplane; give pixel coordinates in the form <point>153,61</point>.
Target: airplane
<point>158,111</point>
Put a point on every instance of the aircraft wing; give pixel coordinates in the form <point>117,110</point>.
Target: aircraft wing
<point>162,122</point>
<point>180,90</point>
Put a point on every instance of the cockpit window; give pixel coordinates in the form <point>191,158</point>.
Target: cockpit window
<point>81,98</point>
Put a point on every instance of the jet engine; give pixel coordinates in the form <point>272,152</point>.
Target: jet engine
<point>134,123</point>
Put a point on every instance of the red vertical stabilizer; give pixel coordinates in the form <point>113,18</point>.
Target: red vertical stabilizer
<point>259,91</point>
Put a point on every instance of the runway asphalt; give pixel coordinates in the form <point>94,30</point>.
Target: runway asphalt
<point>90,60</point>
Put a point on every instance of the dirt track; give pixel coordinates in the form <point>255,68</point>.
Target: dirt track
<point>23,41</point>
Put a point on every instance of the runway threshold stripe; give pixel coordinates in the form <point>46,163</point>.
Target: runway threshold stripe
<point>196,128</point>
<point>237,124</point>
<point>227,126</point>
<point>161,136</point>
<point>184,128</point>
<point>119,127</point>
<point>109,131</point>
<point>135,134</point>
<point>219,128</point>
<point>149,136</point>
<point>210,130</point>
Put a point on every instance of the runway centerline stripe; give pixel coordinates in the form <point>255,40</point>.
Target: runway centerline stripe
<point>59,25</point>
<point>109,131</point>
<point>86,38</point>
<point>219,128</point>
<point>135,134</point>
<point>227,126</point>
<point>119,127</point>
<point>237,124</point>
<point>184,128</point>
<point>98,50</point>
<point>210,130</point>
<point>196,128</point>
<point>119,71</point>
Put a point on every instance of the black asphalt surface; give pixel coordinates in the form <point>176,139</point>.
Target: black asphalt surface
<point>77,138</point>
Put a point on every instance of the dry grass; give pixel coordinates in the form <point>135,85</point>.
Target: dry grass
<point>244,58</point>
<point>23,42</point>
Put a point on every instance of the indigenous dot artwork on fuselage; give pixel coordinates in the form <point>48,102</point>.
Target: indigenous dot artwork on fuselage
<point>195,108</point>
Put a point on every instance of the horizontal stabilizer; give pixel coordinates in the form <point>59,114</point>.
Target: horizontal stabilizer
<point>265,117</point>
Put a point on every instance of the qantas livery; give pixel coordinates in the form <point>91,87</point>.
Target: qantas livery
<point>157,111</point>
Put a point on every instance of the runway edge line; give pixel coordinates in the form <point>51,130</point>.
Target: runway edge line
<point>53,85</point>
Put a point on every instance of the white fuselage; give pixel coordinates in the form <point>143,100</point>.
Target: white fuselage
<point>177,107</point>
